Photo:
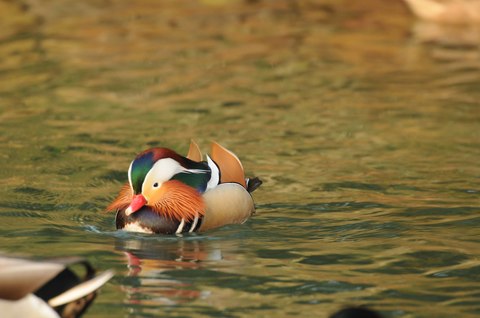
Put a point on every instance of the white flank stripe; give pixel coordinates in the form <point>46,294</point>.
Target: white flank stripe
<point>215,175</point>
<point>195,221</point>
<point>180,227</point>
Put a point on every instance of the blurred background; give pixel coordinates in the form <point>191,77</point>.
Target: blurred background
<point>361,117</point>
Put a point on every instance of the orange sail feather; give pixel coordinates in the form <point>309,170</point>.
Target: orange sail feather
<point>231,169</point>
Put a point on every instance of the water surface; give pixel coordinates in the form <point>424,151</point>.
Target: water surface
<point>363,123</point>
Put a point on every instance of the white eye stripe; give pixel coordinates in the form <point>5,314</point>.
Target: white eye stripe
<point>195,170</point>
<point>163,170</point>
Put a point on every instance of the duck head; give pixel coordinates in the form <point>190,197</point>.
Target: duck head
<point>167,183</point>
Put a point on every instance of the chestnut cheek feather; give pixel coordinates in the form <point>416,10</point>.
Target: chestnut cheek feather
<point>178,201</point>
<point>123,199</point>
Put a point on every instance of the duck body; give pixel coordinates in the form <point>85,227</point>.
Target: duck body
<point>171,194</point>
<point>147,220</point>
<point>49,289</point>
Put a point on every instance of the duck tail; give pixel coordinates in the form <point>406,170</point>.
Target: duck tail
<point>253,184</point>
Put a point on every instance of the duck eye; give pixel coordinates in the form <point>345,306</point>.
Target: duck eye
<point>155,185</point>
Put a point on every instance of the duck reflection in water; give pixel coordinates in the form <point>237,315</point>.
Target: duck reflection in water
<point>149,262</point>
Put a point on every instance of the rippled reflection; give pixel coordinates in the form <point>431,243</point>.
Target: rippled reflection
<point>148,262</point>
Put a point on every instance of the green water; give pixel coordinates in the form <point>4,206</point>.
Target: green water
<point>363,124</point>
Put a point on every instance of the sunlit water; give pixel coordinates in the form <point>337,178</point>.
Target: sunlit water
<point>363,124</point>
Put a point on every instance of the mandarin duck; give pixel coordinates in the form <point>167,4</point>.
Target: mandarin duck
<point>48,289</point>
<point>168,193</point>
